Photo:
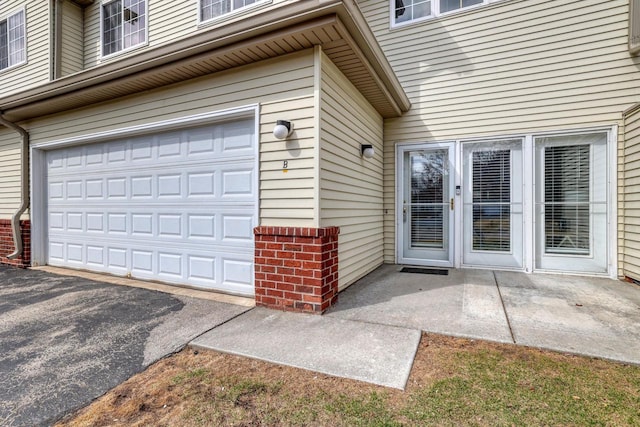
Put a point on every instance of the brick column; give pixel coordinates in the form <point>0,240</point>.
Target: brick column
<point>7,247</point>
<point>296,268</point>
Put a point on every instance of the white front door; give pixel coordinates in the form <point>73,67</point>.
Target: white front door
<point>426,209</point>
<point>492,214</point>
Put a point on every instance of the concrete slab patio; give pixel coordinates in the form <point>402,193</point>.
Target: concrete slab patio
<point>67,340</point>
<point>590,316</point>
<point>463,303</point>
<point>585,315</point>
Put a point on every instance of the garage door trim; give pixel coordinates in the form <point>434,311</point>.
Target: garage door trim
<point>39,150</point>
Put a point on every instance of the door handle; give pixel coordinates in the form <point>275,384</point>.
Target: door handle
<point>404,213</point>
<point>452,203</point>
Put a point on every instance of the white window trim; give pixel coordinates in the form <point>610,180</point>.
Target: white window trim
<point>129,49</point>
<point>6,17</point>
<point>234,13</point>
<point>435,12</point>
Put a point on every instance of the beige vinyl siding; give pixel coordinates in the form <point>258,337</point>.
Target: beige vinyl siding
<point>631,194</point>
<point>350,186</point>
<point>168,21</point>
<point>286,199</point>
<point>37,69</point>
<point>72,33</point>
<point>511,67</point>
<point>9,172</point>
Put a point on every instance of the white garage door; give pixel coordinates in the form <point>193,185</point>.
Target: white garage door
<point>178,206</point>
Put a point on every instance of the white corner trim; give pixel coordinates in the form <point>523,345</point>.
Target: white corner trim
<point>163,125</point>
<point>612,163</point>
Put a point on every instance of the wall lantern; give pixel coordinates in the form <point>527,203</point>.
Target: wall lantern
<point>282,129</point>
<point>367,151</point>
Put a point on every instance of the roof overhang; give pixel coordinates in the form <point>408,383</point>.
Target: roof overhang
<point>337,26</point>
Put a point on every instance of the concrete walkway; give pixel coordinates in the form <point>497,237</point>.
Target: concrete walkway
<point>375,353</point>
<point>373,332</point>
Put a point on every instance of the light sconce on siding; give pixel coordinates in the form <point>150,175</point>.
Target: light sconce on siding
<point>367,151</point>
<point>282,129</point>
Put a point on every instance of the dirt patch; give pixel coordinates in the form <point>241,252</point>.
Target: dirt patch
<point>453,380</point>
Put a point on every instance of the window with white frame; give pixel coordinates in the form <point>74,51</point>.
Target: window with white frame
<point>210,9</point>
<point>415,10</point>
<point>124,25</point>
<point>13,46</point>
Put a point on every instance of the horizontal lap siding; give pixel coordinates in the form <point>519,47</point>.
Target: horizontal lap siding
<point>350,186</point>
<point>9,172</point>
<point>72,39</point>
<point>37,69</point>
<point>631,230</point>
<point>282,87</point>
<point>511,67</point>
<point>168,21</point>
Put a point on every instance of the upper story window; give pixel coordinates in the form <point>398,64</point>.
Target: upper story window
<point>124,25</point>
<point>13,40</point>
<point>417,10</point>
<point>210,9</point>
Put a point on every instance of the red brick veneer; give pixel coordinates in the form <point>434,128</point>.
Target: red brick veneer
<point>6,243</point>
<point>296,268</point>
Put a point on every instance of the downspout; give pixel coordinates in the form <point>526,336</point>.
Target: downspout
<point>24,182</point>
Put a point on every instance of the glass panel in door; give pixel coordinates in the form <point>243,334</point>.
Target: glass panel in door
<point>571,203</point>
<point>426,209</point>
<point>492,204</point>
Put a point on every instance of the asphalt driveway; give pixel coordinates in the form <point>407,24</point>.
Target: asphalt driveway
<point>67,340</point>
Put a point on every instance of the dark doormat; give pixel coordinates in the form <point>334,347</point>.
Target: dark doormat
<point>436,271</point>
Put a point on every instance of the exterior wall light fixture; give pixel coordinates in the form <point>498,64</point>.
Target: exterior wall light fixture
<point>367,151</point>
<point>282,129</point>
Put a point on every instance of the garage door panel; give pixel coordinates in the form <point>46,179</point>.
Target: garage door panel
<point>237,183</point>
<point>162,149</point>
<point>95,255</point>
<point>200,267</point>
<point>232,227</point>
<point>236,272</point>
<point>189,182</point>
<point>237,228</point>
<point>56,190</point>
<point>176,207</point>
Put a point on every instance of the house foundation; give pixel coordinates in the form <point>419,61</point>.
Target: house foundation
<point>7,246</point>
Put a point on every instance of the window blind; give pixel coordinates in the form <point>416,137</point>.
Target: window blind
<point>567,199</point>
<point>429,198</point>
<point>491,182</point>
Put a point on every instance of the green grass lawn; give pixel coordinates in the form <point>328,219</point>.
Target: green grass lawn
<point>453,382</point>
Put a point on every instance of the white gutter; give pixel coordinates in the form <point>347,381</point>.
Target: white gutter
<point>24,182</point>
